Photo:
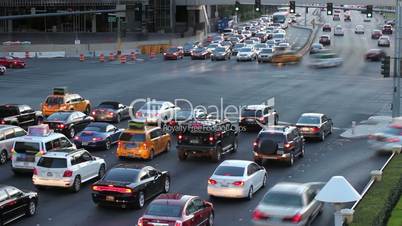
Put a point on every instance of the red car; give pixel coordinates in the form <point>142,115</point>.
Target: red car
<point>178,210</point>
<point>200,53</point>
<point>12,62</point>
<point>376,34</point>
<point>174,53</point>
<point>375,55</point>
<point>326,28</point>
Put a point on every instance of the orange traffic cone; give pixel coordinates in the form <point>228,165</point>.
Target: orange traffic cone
<point>82,57</point>
<point>123,59</point>
<point>133,56</point>
<point>26,55</point>
<point>102,58</point>
<point>111,57</point>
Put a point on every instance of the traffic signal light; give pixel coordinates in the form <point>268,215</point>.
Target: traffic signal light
<point>386,66</point>
<point>292,6</point>
<point>257,5</point>
<point>369,11</point>
<point>330,9</point>
<point>237,6</point>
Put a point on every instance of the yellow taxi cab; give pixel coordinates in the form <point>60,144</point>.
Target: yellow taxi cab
<point>142,141</point>
<point>61,100</point>
<point>286,57</point>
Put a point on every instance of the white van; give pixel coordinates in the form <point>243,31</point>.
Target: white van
<point>28,149</point>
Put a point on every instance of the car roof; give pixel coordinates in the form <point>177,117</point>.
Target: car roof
<point>47,138</point>
<point>288,187</point>
<point>255,107</point>
<point>4,127</point>
<point>62,152</point>
<point>173,198</point>
<point>313,114</point>
<point>238,163</point>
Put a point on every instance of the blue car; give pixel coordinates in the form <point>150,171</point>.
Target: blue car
<point>98,135</point>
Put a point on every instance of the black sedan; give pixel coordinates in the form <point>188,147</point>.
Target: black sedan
<point>110,111</point>
<point>16,203</point>
<point>129,185</point>
<point>98,135</point>
<point>315,125</point>
<point>68,122</point>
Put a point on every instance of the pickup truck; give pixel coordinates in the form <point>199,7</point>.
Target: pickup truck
<point>19,115</point>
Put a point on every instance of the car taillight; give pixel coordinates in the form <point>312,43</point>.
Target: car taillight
<point>76,138</point>
<point>3,122</point>
<point>35,171</point>
<point>97,139</point>
<point>68,173</point>
<point>61,126</point>
<point>211,138</point>
<point>144,146</point>
<point>287,145</point>
<point>315,129</point>
<point>238,183</point>
<point>392,140</point>
<point>261,119</point>
<point>258,215</point>
<point>112,189</point>
<point>93,113</point>
<point>180,137</point>
<point>212,181</point>
<point>295,219</point>
<point>111,113</point>
<point>178,223</point>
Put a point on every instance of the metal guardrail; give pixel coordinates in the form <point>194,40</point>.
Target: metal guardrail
<point>371,182</point>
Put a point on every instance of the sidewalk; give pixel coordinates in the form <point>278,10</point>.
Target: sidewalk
<point>372,125</point>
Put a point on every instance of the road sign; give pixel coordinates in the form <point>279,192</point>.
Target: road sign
<point>111,19</point>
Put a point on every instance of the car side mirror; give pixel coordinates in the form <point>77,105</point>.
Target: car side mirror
<point>207,204</point>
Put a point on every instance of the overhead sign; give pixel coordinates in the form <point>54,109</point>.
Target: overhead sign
<point>121,7</point>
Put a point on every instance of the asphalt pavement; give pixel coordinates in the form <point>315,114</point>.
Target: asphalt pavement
<point>352,92</point>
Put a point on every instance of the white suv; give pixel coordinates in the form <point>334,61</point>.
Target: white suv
<point>67,168</point>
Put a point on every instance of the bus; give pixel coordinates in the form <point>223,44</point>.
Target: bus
<point>280,18</point>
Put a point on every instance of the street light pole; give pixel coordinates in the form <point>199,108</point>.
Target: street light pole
<point>118,31</point>
<point>397,63</point>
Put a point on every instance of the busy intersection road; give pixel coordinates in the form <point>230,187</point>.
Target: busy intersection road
<point>352,92</point>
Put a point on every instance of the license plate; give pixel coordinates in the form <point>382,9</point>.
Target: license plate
<point>49,174</point>
<point>194,141</point>
<point>110,198</point>
<point>84,143</point>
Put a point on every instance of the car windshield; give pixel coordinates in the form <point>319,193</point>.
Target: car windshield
<point>324,37</point>
<point>230,171</point>
<point>55,163</point>
<point>267,51</point>
<point>95,128</point>
<point>251,113</point>
<point>260,46</point>
<point>164,210</point>
<point>316,46</point>
<point>220,50</point>
<point>276,137</point>
<point>7,111</point>
<point>309,120</point>
<point>279,35</point>
<point>188,45</point>
<point>122,175</point>
<point>184,115</point>
<point>108,105</point>
<point>245,50</point>
<point>26,147</point>
<point>212,46</point>
<point>54,100</point>
<point>198,50</point>
<point>59,116</point>
<point>132,137</point>
<point>239,45</point>
<point>172,50</point>
<point>282,199</point>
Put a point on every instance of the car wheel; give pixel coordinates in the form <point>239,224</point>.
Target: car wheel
<point>151,154</point>
<point>102,171</point>
<point>211,220</point>
<point>322,136</point>
<point>108,145</point>
<point>166,186</point>
<point>168,145</point>
<point>71,133</point>
<point>87,110</point>
<point>276,120</point>
<point>140,200</point>
<point>302,151</point>
<point>181,154</point>
<point>235,145</point>
<point>331,129</point>
<point>118,118</point>
<point>264,181</point>
<point>31,210</point>
<point>3,157</point>
<point>291,159</point>
<point>76,184</point>
<point>250,193</point>
<point>216,155</point>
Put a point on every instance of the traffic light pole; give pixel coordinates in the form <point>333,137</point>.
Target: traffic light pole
<point>397,63</point>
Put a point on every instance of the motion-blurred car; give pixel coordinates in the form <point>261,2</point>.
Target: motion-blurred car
<point>2,70</point>
<point>388,140</point>
<point>288,204</point>
<point>387,29</point>
<point>68,123</point>
<point>178,210</point>
<point>316,47</point>
<point>246,54</point>
<point>325,60</point>
<point>265,55</point>
<point>282,46</point>
<point>359,29</point>
<point>314,125</point>
<point>12,62</point>
<point>200,53</point>
<point>257,116</point>
<point>347,18</point>
<point>98,135</point>
<point>338,31</point>
<point>188,47</point>
<point>325,40</point>
<point>237,179</point>
<point>221,53</point>
<point>173,53</point>
<point>375,55</point>
<point>286,57</point>
<point>384,41</point>
<point>326,28</point>
<point>279,38</point>
<point>336,17</point>
<point>376,34</point>
<point>110,111</point>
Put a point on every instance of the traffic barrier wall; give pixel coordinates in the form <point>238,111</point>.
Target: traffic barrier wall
<point>51,54</point>
<point>22,54</point>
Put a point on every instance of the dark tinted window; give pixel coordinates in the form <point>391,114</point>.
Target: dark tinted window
<point>276,137</point>
<point>309,120</point>
<point>164,210</point>
<point>232,171</point>
<point>54,100</point>
<point>59,116</point>
<point>7,111</point>
<point>282,199</point>
<point>52,162</point>
<point>132,137</point>
<point>251,113</point>
<point>109,105</point>
<point>95,128</point>
<point>122,175</point>
<point>26,147</point>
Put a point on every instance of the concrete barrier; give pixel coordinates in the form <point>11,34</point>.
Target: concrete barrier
<point>22,54</point>
<point>54,54</point>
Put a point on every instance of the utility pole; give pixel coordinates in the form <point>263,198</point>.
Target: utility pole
<point>305,17</point>
<point>397,63</point>
<point>118,31</point>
